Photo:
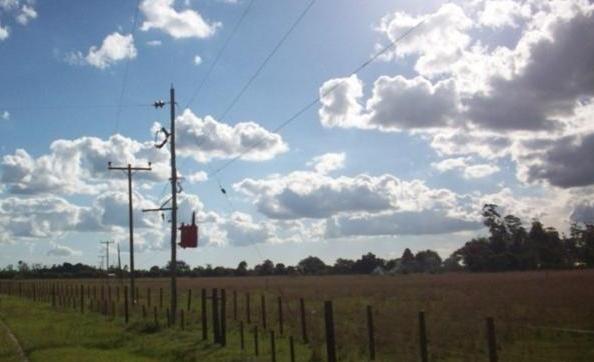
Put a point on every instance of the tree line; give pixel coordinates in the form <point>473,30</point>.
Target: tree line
<point>508,247</point>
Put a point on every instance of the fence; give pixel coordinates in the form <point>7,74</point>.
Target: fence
<point>211,312</point>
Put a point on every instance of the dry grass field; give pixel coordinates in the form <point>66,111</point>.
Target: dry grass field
<point>539,316</point>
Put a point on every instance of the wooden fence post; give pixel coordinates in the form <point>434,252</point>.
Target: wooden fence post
<point>189,298</point>
<point>370,333</point>
<point>491,340</point>
<point>204,312</point>
<point>256,350</point>
<point>143,312</point>
<point>272,347</point>
<point>241,340</point>
<point>168,318</point>
<point>160,298</point>
<point>423,338</point>
<point>215,316</point>
<point>263,311</point>
<point>280,315</point>
<point>155,317</point>
<point>303,321</point>
<point>126,304</point>
<point>148,297</point>
<point>248,312</point>
<point>234,305</point>
<point>82,298</point>
<point>291,349</point>
<point>223,338</point>
<point>330,337</point>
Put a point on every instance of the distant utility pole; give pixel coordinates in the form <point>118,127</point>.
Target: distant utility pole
<point>106,243</point>
<point>101,261</point>
<point>129,170</point>
<point>119,262</point>
<point>170,137</point>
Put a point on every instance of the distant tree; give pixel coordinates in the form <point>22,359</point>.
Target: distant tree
<point>266,268</point>
<point>407,262</point>
<point>242,269</point>
<point>343,266</point>
<point>280,269</point>
<point>428,261</point>
<point>367,263</point>
<point>312,265</point>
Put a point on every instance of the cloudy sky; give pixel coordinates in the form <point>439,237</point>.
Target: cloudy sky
<point>484,101</point>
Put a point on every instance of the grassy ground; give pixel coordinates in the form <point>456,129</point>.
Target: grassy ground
<point>529,310</point>
<point>46,334</point>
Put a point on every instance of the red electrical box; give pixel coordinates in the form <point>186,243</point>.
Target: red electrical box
<point>189,234</point>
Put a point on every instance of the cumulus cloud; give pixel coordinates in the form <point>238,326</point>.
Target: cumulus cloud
<point>5,115</point>
<point>197,60</point>
<point>306,194</point>
<point>205,139</point>
<point>464,165</point>
<point>196,177</point>
<point>439,41</point>
<point>22,11</point>
<point>62,251</point>
<point>396,103</point>
<point>328,162</point>
<point>425,222</point>
<point>79,166</point>
<point>160,14</point>
<point>114,48</point>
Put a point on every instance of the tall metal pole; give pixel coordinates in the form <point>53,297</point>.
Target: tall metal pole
<point>173,208</point>
<point>119,262</point>
<point>107,252</point>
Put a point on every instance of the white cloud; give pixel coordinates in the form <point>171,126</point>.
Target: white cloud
<point>79,166</point>
<point>3,32</point>
<point>197,60</point>
<point>439,41</point>
<point>115,47</point>
<point>160,14</point>
<point>305,194</point>
<point>501,13</point>
<point>26,14</point>
<point>205,139</point>
<point>154,43</point>
<point>5,115</point>
<point>62,251</point>
<point>196,177</point>
<point>328,162</point>
<point>463,164</point>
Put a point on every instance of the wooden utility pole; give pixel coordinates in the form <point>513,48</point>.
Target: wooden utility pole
<point>129,170</point>
<point>119,262</point>
<point>106,243</point>
<point>170,137</point>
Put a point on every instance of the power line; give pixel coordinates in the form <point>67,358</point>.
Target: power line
<point>125,79</point>
<point>220,53</point>
<point>316,100</point>
<point>266,60</point>
<point>72,106</point>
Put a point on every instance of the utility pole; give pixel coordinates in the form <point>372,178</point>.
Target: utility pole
<point>129,170</point>
<point>170,136</point>
<point>101,258</point>
<point>106,243</point>
<point>120,263</point>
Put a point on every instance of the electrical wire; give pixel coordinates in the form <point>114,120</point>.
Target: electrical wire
<point>266,60</point>
<point>316,100</point>
<point>220,53</point>
<point>127,66</point>
<point>72,106</point>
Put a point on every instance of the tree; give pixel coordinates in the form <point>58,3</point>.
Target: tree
<point>266,268</point>
<point>280,269</point>
<point>367,264</point>
<point>407,262</point>
<point>428,261</point>
<point>312,265</point>
<point>241,269</point>
<point>343,266</point>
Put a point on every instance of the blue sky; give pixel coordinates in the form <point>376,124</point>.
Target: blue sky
<point>487,101</point>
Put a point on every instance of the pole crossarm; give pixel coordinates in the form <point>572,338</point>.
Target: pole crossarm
<point>159,209</point>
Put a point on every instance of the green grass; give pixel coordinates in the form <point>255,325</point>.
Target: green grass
<point>46,334</point>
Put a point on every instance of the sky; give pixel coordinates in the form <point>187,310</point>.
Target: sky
<point>480,102</point>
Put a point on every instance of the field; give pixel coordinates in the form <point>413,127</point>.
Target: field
<point>538,316</point>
